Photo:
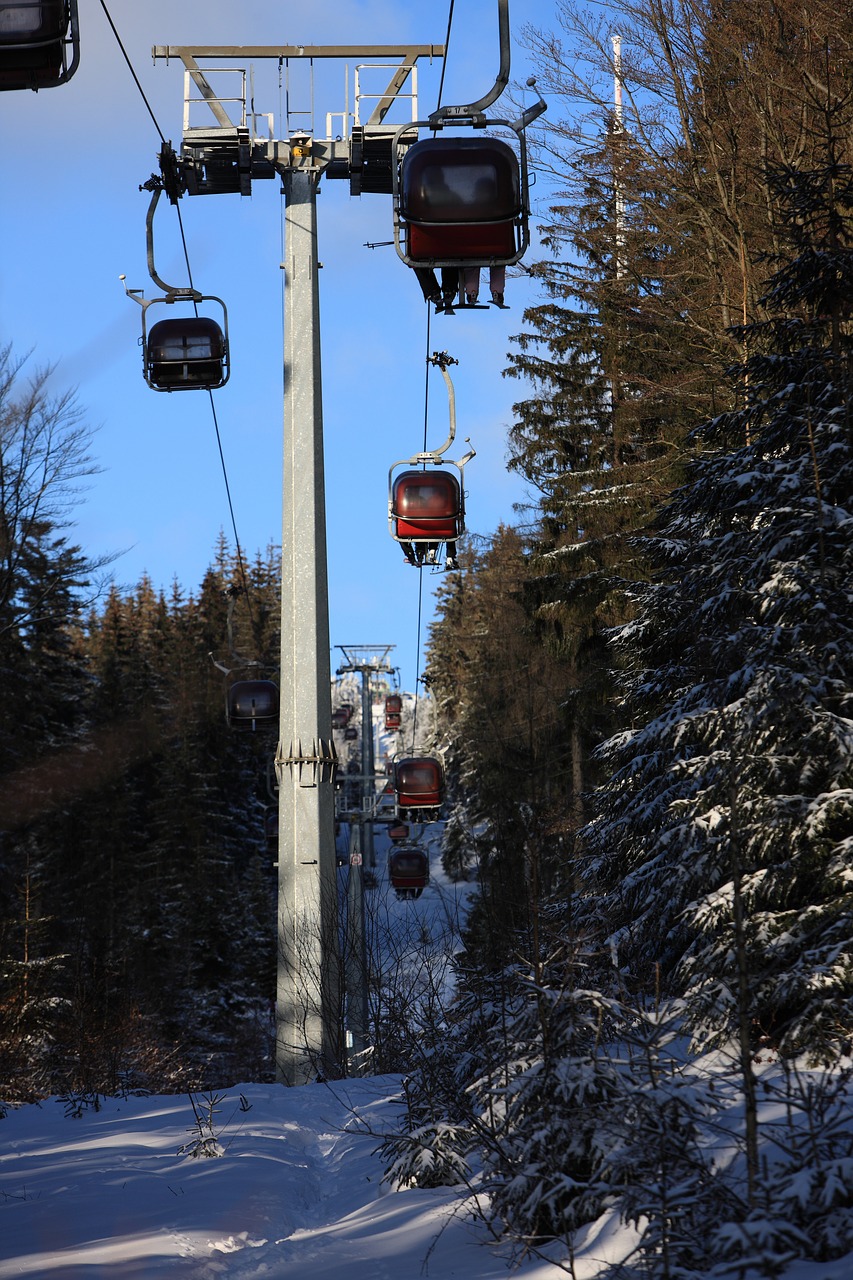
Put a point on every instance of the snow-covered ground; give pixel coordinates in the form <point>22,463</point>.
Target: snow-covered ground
<point>297,1193</point>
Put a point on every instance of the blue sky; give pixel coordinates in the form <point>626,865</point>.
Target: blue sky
<point>72,220</point>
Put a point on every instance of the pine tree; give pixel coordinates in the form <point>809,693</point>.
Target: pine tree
<point>719,852</point>
<point>500,702</point>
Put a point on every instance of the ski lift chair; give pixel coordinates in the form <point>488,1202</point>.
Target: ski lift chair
<point>393,711</point>
<point>408,870</point>
<point>39,43</point>
<point>252,705</point>
<point>189,353</point>
<point>418,787</point>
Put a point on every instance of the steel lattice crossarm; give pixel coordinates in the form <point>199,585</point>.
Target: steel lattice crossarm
<point>365,657</point>
<point>236,144</point>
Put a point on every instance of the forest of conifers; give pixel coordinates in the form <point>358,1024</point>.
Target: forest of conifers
<point>644,687</point>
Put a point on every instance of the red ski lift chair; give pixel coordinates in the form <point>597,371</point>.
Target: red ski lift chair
<point>408,870</point>
<point>419,785</point>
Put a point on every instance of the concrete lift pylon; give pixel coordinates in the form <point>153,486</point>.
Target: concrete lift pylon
<point>222,158</point>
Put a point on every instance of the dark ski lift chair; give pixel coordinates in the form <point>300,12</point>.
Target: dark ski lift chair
<point>462,201</point>
<point>252,705</point>
<point>184,352</point>
<point>408,870</point>
<point>350,733</point>
<point>418,787</point>
<point>39,43</point>
<point>393,711</point>
<point>340,719</point>
<point>426,506</point>
<point>398,831</point>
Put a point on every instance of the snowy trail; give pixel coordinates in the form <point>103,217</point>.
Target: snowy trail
<point>298,1192</point>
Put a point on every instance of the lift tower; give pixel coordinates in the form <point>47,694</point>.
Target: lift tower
<point>225,155</point>
<point>369,661</point>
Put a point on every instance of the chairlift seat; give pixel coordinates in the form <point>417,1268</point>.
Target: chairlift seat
<point>253,704</point>
<point>186,353</point>
<point>408,867</point>
<point>427,506</point>
<point>492,241</point>
<point>33,36</point>
<point>460,199</point>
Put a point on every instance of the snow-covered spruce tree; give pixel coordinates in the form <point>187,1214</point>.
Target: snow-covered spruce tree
<point>428,1150</point>
<point>807,1175</point>
<point>545,1163</point>
<point>662,1147</point>
<point>520,1085</point>
<point>722,843</point>
<point>445,1122</point>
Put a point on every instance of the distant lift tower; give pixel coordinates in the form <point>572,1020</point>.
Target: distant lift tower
<point>226,154</point>
<point>369,661</point>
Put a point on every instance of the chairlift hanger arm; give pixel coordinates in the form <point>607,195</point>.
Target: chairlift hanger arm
<point>428,459</point>
<point>435,459</point>
<point>156,185</point>
<point>474,109</point>
<point>219,666</point>
<point>530,113</point>
<point>441,360</point>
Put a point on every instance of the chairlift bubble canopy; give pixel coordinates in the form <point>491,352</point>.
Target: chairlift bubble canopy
<point>418,783</point>
<point>187,353</point>
<point>393,711</point>
<point>36,39</point>
<point>253,704</point>
<point>427,506</point>
<point>408,868</point>
<point>461,201</point>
